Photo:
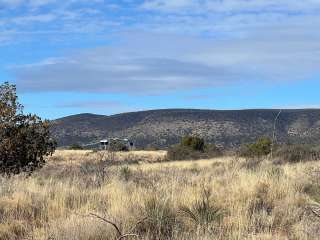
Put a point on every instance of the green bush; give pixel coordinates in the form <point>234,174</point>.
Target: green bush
<point>25,139</point>
<point>194,143</point>
<point>262,147</point>
<point>75,147</point>
<point>192,148</point>
<point>117,146</point>
<point>178,152</point>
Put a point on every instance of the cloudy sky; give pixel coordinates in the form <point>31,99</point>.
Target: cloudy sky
<point>112,56</point>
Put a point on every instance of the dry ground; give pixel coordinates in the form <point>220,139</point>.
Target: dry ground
<point>225,198</point>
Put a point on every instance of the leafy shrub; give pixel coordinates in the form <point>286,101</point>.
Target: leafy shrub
<point>117,146</point>
<point>75,147</point>
<point>178,152</point>
<point>296,153</point>
<point>192,148</point>
<point>192,142</point>
<point>262,147</point>
<point>25,139</point>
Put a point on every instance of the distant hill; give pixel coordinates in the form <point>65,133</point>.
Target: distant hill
<point>165,127</point>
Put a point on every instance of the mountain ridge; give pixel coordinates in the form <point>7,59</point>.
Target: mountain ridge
<point>163,127</point>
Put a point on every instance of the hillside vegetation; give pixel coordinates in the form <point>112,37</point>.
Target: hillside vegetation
<point>162,128</point>
<point>222,198</point>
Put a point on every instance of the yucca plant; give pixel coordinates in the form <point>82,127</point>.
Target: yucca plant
<point>160,218</point>
<point>203,212</point>
<point>125,173</point>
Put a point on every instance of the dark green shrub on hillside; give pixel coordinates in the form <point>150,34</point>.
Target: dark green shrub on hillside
<point>258,149</point>
<point>194,143</point>
<point>75,147</point>
<point>25,139</point>
<point>192,148</point>
<point>117,146</point>
<point>178,152</point>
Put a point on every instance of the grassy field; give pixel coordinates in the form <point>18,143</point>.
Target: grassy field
<point>148,198</point>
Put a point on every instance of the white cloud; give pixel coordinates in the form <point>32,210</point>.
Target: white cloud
<point>183,44</point>
<point>154,64</point>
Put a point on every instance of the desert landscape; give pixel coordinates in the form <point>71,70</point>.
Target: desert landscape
<point>159,120</point>
<point>79,196</point>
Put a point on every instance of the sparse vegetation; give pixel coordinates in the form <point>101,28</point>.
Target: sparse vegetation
<point>296,153</point>
<point>207,199</point>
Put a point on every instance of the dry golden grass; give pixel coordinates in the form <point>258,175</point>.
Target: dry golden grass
<point>221,198</point>
<point>78,156</point>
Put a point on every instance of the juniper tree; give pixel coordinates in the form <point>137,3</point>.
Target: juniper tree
<point>24,138</point>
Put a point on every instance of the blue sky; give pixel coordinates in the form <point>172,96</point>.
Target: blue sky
<point>106,57</point>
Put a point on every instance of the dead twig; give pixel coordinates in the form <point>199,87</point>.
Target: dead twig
<point>137,224</point>
<point>315,209</point>
<point>128,235</point>
<point>120,234</point>
<point>107,221</point>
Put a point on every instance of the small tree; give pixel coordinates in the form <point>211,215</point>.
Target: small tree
<point>117,146</point>
<point>24,139</point>
<point>194,143</point>
<point>261,147</point>
<point>192,147</point>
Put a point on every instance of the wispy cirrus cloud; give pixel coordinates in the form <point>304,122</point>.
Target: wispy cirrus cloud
<point>231,6</point>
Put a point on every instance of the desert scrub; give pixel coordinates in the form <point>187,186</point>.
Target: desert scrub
<point>296,153</point>
<point>269,202</point>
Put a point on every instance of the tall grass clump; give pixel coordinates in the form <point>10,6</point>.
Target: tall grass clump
<point>160,218</point>
<point>203,213</point>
